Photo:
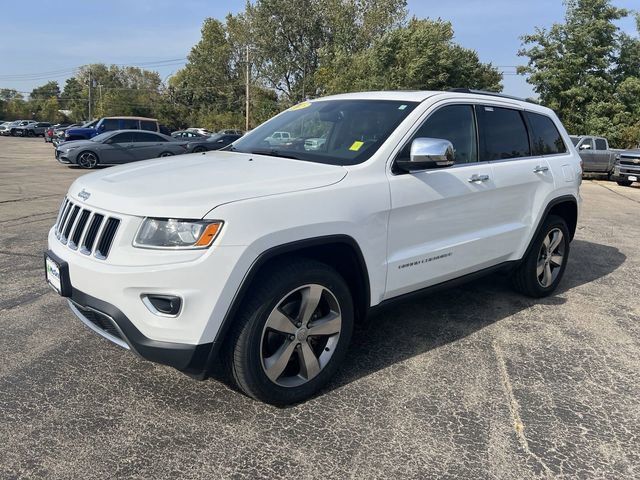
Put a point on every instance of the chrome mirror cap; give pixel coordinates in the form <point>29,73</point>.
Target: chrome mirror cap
<point>429,153</point>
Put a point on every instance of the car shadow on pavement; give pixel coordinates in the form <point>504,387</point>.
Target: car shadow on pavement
<point>409,328</point>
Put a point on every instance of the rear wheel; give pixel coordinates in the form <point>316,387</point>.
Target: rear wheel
<point>31,133</point>
<point>542,269</point>
<point>199,150</point>
<point>166,154</point>
<point>624,183</point>
<point>87,160</point>
<point>292,334</point>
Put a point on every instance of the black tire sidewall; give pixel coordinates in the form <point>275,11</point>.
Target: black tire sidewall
<point>250,340</point>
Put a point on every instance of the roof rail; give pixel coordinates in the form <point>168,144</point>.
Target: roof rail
<point>492,94</point>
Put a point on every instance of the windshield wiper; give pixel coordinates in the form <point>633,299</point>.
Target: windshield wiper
<point>273,153</point>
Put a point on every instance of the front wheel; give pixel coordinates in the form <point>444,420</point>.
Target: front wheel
<point>624,183</point>
<point>199,150</point>
<point>542,269</point>
<point>31,133</point>
<point>166,154</point>
<point>292,334</point>
<point>87,160</point>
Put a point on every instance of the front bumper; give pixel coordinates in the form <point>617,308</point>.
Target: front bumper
<point>110,323</point>
<point>624,171</point>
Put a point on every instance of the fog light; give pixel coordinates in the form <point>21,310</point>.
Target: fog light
<point>163,305</point>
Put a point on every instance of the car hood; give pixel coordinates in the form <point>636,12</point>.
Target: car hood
<point>81,131</point>
<point>76,143</point>
<point>189,186</point>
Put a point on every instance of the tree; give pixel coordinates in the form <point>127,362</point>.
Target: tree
<point>571,65</point>
<point>420,55</point>
<point>46,91</point>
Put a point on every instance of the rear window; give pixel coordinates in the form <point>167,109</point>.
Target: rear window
<point>146,137</point>
<point>503,134</point>
<point>545,137</point>
<point>601,144</point>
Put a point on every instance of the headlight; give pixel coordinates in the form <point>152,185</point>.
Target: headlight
<point>175,233</point>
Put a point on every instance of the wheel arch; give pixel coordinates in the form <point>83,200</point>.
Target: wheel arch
<point>341,252</point>
<point>565,206</point>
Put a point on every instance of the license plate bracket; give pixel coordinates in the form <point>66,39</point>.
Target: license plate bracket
<point>633,178</point>
<point>56,273</point>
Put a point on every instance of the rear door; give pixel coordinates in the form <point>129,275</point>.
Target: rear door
<point>524,181</point>
<point>441,220</point>
<point>147,145</point>
<point>602,155</point>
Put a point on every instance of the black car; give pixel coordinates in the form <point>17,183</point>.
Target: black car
<point>188,135</point>
<point>214,142</point>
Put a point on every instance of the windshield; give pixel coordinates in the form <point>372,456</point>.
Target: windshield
<point>575,140</point>
<point>337,132</point>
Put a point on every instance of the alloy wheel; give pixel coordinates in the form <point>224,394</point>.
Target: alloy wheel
<point>87,160</point>
<point>300,335</point>
<point>550,258</point>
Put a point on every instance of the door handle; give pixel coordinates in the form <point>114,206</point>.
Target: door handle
<point>478,178</point>
<point>540,168</point>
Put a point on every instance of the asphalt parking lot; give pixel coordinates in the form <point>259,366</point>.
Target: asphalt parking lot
<point>475,382</point>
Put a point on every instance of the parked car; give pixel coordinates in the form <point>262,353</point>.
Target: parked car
<point>201,131</point>
<point>596,155</point>
<point>5,127</point>
<point>214,142</point>
<point>627,168</point>
<point>278,138</point>
<point>260,260</point>
<point>49,132</point>
<point>188,135</point>
<point>314,143</point>
<point>231,131</point>
<point>13,131</point>
<point>109,124</point>
<point>33,129</point>
<point>121,146</point>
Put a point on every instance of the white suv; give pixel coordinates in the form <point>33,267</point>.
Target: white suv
<point>262,257</point>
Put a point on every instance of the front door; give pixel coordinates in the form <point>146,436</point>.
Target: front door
<point>441,224</point>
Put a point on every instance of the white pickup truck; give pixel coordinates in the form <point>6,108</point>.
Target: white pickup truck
<point>261,257</point>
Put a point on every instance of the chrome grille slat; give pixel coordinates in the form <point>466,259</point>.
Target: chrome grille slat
<point>84,229</point>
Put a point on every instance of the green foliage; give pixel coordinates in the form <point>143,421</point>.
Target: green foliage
<point>588,71</point>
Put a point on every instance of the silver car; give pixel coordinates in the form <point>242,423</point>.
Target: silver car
<point>117,147</point>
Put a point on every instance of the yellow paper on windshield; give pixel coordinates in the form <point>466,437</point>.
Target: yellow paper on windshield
<point>355,146</point>
<point>300,106</point>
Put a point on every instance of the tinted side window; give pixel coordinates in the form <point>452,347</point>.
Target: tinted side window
<point>454,123</point>
<point>109,124</point>
<point>146,137</point>
<point>601,144</point>
<point>128,124</point>
<point>121,138</point>
<point>147,125</point>
<point>545,137</point>
<point>502,134</point>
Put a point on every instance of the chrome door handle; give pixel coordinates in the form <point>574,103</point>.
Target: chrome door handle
<point>478,178</point>
<point>540,168</point>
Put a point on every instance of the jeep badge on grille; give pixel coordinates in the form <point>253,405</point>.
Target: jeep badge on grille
<point>84,195</point>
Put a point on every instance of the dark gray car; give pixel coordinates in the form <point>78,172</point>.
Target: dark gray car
<point>117,147</point>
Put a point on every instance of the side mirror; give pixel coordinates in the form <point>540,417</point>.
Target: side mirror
<point>428,153</point>
<point>586,146</point>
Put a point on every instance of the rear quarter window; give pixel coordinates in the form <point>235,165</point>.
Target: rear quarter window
<point>601,144</point>
<point>128,124</point>
<point>545,137</point>
<point>147,125</point>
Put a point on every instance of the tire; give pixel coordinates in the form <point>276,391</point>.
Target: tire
<point>527,278</point>
<point>199,150</point>
<point>87,159</point>
<point>165,154</point>
<point>624,183</point>
<point>30,133</point>
<point>307,361</point>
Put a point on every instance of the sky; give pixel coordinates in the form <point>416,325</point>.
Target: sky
<point>42,43</point>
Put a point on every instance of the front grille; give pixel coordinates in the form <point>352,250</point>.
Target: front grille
<point>630,161</point>
<point>81,227</point>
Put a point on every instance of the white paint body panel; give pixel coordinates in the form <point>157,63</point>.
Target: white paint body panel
<point>267,202</point>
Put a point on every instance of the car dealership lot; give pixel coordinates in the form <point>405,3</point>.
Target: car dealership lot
<point>473,382</point>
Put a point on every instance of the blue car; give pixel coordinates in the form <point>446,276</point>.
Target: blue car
<point>108,124</point>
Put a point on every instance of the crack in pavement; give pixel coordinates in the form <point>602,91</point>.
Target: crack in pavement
<point>54,214</point>
<point>514,408</point>
<point>617,193</point>
<point>19,254</point>
<point>28,199</point>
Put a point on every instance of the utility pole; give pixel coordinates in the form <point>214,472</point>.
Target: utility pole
<point>246,123</point>
<point>90,117</point>
<point>100,98</point>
